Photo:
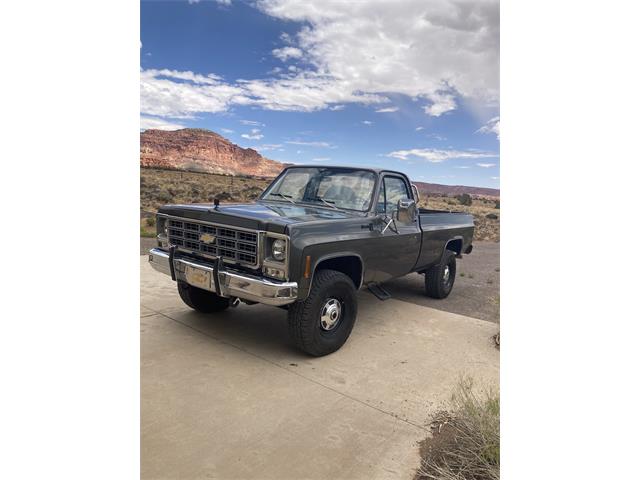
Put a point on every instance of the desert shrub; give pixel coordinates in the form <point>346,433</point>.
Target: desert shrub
<point>163,196</point>
<point>497,205</point>
<point>466,437</point>
<point>464,199</point>
<point>150,221</point>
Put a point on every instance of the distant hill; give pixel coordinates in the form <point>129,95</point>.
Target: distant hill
<point>452,190</point>
<point>200,150</point>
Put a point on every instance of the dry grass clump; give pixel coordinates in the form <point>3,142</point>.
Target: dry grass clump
<point>466,438</point>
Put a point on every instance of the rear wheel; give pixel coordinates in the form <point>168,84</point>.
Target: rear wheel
<point>321,324</point>
<point>201,300</point>
<point>438,281</point>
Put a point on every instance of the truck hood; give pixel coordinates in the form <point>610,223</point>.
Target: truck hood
<point>258,215</point>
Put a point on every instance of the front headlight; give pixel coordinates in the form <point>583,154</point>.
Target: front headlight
<point>163,226</point>
<point>279,249</point>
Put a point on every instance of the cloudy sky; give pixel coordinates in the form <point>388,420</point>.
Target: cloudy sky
<point>411,85</point>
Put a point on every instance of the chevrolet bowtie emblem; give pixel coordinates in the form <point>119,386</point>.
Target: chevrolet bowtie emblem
<point>207,238</point>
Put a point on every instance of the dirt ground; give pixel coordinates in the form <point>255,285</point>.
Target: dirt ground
<point>476,292</point>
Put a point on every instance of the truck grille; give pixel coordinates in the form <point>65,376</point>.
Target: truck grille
<point>230,244</point>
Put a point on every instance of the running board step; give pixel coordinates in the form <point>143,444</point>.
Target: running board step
<point>379,291</point>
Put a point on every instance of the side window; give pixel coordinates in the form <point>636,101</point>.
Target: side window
<point>393,189</point>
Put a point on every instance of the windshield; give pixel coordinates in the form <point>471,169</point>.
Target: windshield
<point>329,187</point>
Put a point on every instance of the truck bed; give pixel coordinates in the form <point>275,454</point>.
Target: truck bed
<point>439,227</point>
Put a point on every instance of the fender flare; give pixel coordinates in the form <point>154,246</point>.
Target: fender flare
<point>331,256</point>
<point>452,239</point>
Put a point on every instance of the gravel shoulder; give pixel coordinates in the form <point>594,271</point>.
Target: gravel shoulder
<point>476,292</point>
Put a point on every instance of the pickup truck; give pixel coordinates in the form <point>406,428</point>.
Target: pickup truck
<point>314,237</point>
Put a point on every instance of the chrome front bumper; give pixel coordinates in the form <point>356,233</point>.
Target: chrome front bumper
<point>230,283</point>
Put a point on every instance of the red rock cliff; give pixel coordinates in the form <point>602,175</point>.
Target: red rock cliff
<point>204,151</point>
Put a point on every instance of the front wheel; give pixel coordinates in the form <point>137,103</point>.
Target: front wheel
<point>201,300</point>
<point>321,324</point>
<point>438,281</point>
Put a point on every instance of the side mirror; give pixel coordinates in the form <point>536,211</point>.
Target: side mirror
<point>416,193</point>
<point>406,210</point>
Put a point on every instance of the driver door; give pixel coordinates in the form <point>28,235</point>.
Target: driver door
<point>396,250</point>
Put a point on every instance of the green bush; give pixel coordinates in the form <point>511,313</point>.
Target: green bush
<point>465,199</point>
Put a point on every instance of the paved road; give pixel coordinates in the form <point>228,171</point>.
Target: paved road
<point>476,292</point>
<point>226,396</point>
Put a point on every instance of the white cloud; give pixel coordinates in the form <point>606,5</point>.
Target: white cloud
<point>269,146</point>
<point>435,136</point>
<point>183,94</point>
<point>147,123</point>
<point>440,103</point>
<point>492,126</point>
<point>221,2</point>
<point>434,155</point>
<point>387,110</point>
<point>462,166</point>
<point>285,53</point>
<point>419,128</point>
<point>226,130</point>
<point>367,122</point>
<point>311,144</point>
<point>336,108</point>
<point>254,135</point>
<point>486,165</point>
<point>355,52</point>
<point>169,93</point>
<point>321,159</point>
<point>495,178</point>
<point>435,49</point>
<point>253,123</point>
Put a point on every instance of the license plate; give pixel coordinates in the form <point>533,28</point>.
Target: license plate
<point>198,278</point>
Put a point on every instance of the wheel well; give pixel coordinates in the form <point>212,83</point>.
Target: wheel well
<point>455,246</point>
<point>351,266</point>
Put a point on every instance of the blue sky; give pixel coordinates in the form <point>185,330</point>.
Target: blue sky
<point>411,85</point>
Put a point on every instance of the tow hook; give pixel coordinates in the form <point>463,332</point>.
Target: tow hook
<point>235,302</point>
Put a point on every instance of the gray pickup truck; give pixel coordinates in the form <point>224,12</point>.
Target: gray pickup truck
<point>315,236</point>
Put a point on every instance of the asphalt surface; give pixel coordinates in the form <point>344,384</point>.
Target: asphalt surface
<point>227,395</point>
<point>476,292</point>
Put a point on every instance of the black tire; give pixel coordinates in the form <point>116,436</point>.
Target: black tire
<point>201,300</point>
<point>436,281</point>
<point>331,292</point>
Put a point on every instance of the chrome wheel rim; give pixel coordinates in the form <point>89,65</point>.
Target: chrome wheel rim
<point>446,274</point>
<point>330,314</point>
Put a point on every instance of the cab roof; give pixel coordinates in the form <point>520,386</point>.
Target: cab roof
<point>354,167</point>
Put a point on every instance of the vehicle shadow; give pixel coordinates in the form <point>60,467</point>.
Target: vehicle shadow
<point>260,329</point>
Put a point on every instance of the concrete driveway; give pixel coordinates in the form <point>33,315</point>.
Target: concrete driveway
<point>227,396</point>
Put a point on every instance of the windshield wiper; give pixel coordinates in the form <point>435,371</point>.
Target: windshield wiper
<point>282,195</point>
<point>329,203</point>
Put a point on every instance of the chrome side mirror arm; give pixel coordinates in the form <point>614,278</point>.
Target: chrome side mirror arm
<point>394,229</point>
